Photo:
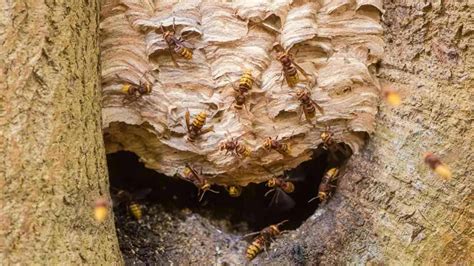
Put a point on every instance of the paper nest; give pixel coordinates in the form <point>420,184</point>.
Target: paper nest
<point>337,42</point>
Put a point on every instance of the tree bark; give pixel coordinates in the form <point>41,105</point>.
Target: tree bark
<point>390,208</point>
<point>53,166</point>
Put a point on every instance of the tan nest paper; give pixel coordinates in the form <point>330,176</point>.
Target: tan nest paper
<point>336,42</point>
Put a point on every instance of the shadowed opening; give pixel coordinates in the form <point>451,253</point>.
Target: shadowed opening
<point>248,213</point>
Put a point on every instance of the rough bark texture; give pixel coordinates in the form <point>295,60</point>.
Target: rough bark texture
<point>53,165</point>
<point>389,207</point>
<point>335,42</point>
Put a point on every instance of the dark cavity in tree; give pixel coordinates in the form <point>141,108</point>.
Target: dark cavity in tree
<point>252,207</point>
<point>155,239</point>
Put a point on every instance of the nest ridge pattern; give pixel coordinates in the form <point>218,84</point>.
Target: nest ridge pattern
<point>337,43</point>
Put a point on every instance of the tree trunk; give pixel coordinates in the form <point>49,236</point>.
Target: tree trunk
<point>53,166</point>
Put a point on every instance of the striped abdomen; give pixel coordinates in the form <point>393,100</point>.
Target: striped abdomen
<point>188,173</point>
<point>183,51</point>
<point>256,247</point>
<point>331,174</point>
<point>136,210</point>
<point>131,89</point>
<point>196,126</point>
<point>242,150</point>
<point>246,81</point>
<point>128,89</point>
<point>291,76</point>
<point>310,110</point>
<point>199,122</point>
<point>146,89</point>
<point>325,188</point>
<point>283,147</point>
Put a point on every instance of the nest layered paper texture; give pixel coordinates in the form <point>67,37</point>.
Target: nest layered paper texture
<point>336,42</point>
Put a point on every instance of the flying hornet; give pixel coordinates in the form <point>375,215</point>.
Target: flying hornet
<point>131,199</point>
<point>392,97</point>
<point>437,166</point>
<point>101,209</point>
<point>281,186</point>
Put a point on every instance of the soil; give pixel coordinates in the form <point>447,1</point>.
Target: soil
<point>164,237</point>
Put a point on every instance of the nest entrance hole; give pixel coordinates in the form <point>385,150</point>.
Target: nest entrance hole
<point>248,213</point>
<point>252,207</point>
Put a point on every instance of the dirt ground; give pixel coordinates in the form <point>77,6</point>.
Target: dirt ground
<point>180,237</point>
